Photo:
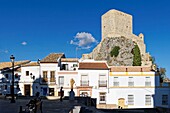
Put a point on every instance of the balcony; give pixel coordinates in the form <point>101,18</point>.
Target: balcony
<point>116,84</point>
<point>147,83</point>
<point>84,82</point>
<point>102,83</point>
<point>131,84</point>
<point>44,80</point>
<point>52,79</point>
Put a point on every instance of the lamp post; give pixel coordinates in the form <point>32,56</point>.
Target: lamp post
<point>38,62</point>
<point>12,89</point>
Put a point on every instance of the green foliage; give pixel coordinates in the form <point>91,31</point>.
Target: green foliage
<point>152,59</point>
<point>115,51</point>
<point>137,60</point>
<point>162,73</point>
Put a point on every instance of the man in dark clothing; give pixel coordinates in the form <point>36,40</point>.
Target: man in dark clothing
<point>61,94</point>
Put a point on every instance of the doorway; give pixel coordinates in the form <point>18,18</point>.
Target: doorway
<point>27,90</point>
<point>121,103</point>
<point>51,91</point>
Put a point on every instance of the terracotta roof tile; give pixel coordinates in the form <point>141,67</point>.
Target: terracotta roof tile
<point>130,69</point>
<point>69,59</point>
<point>52,58</point>
<point>18,69</point>
<point>4,65</point>
<point>92,65</point>
<point>31,64</point>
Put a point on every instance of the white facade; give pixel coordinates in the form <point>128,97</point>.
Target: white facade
<point>113,87</point>
<point>30,79</point>
<point>6,82</point>
<point>139,86</point>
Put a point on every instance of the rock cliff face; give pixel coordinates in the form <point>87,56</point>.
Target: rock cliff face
<point>125,56</point>
<point>117,30</point>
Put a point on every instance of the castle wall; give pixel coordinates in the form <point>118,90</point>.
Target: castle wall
<point>116,22</point>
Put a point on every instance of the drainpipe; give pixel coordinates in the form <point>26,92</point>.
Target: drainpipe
<point>108,79</point>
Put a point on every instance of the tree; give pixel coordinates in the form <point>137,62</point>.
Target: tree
<point>115,51</point>
<point>152,59</point>
<point>162,73</point>
<point>137,60</point>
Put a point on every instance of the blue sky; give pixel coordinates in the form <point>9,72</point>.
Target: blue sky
<point>31,29</point>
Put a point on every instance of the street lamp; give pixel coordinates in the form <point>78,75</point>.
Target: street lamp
<point>38,62</point>
<point>12,89</point>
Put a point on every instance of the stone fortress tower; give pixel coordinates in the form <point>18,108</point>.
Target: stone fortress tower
<point>117,24</point>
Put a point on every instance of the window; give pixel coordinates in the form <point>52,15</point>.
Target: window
<point>102,98</point>
<point>147,81</point>
<point>164,99</point>
<point>65,66</point>
<point>45,79</point>
<point>147,99</point>
<point>75,65</point>
<point>102,80</point>
<point>115,81</point>
<point>5,86</point>
<point>84,80</point>
<point>52,76</point>
<point>84,93</point>
<point>130,100</point>
<point>131,81</point>
<point>61,81</point>
<point>6,76</point>
<point>27,73</point>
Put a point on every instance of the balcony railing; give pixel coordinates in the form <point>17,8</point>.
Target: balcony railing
<point>44,80</point>
<point>147,83</point>
<point>131,84</point>
<point>84,82</point>
<point>52,80</point>
<point>115,83</point>
<point>102,83</point>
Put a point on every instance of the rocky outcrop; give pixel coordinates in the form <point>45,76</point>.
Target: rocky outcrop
<point>125,56</point>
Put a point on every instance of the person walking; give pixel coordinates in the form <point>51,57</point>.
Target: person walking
<point>61,94</point>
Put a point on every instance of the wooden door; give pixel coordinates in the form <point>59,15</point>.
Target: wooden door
<point>121,102</point>
<point>27,90</point>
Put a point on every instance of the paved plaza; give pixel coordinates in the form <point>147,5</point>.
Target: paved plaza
<point>49,106</point>
<point>55,106</point>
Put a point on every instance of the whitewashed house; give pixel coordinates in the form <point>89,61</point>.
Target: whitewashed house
<point>6,77</point>
<point>68,71</point>
<point>30,79</point>
<point>48,69</point>
<point>136,87</point>
<point>113,87</point>
<point>94,80</point>
<point>49,75</point>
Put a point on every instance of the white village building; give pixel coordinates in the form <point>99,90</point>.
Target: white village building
<point>113,87</point>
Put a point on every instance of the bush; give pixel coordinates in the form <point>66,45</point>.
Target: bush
<point>115,51</point>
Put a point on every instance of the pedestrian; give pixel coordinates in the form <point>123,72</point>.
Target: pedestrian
<point>61,94</point>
